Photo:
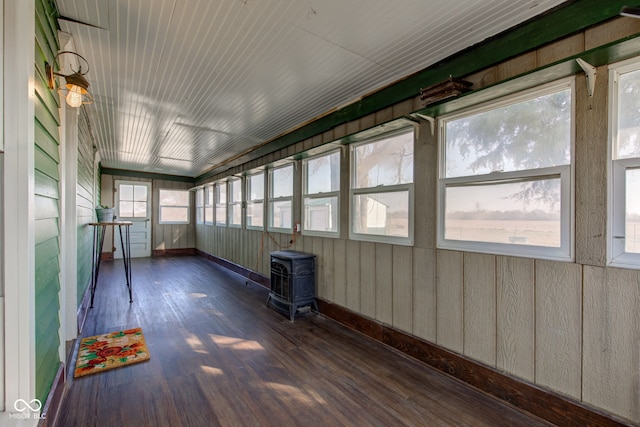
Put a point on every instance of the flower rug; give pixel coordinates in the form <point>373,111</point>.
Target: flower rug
<point>108,351</point>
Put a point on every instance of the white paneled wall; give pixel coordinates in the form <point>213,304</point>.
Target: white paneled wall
<point>570,327</point>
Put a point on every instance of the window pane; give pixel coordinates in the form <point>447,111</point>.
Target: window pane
<point>384,214</point>
<point>524,213</point>
<point>174,214</point>
<point>387,161</point>
<point>235,186</point>
<point>281,214</point>
<point>235,214</point>
<point>323,174</point>
<point>221,214</point>
<point>282,182</point>
<point>628,142</point>
<point>126,192</point>
<point>209,195</point>
<point>125,210</point>
<point>255,214</point>
<point>221,191</point>
<point>321,214</point>
<point>208,214</point>
<point>174,197</point>
<point>256,187</point>
<point>200,197</point>
<point>526,135</point>
<point>632,211</point>
<point>139,209</point>
<point>139,193</point>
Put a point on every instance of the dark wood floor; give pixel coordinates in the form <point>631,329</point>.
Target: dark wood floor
<point>219,356</point>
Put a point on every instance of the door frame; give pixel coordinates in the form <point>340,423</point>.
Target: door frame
<point>148,219</point>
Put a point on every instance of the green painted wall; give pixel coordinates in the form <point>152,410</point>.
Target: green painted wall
<point>84,203</point>
<point>47,203</point>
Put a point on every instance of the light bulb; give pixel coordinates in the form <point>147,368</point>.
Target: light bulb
<point>74,97</point>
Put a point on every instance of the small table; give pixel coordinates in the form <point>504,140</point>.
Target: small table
<point>99,231</point>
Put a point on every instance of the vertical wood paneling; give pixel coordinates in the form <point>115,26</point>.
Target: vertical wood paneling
<point>559,326</point>
<point>86,200</point>
<point>480,307</point>
<point>591,171</point>
<point>353,275</point>
<point>367,279</point>
<point>516,316</point>
<point>450,290</point>
<point>403,288</point>
<point>424,294</point>
<point>317,250</point>
<point>384,283</point>
<point>340,271</point>
<point>611,371</point>
<point>328,276</point>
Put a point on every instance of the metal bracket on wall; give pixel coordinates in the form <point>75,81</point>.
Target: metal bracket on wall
<point>431,120</point>
<point>590,72</point>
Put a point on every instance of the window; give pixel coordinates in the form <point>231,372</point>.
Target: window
<point>200,206</point>
<point>235,202</point>
<point>506,173</point>
<point>221,203</point>
<point>208,204</point>
<point>132,201</point>
<point>174,206</point>
<point>381,192</point>
<point>281,198</point>
<point>255,201</point>
<point>321,190</point>
<point>624,223</point>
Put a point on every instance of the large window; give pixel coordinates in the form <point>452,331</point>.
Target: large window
<point>382,188</point>
<point>255,201</point>
<point>506,173</point>
<point>221,203</point>
<point>235,202</point>
<point>200,206</point>
<point>208,204</point>
<point>281,198</point>
<point>174,206</point>
<point>625,170</point>
<point>321,189</point>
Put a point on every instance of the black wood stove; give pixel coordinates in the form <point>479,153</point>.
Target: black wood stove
<point>293,282</point>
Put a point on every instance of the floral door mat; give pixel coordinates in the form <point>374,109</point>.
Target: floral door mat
<point>108,351</point>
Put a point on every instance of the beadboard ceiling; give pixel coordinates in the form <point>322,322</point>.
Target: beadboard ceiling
<point>182,86</point>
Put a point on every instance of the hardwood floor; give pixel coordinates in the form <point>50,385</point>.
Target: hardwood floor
<point>219,356</point>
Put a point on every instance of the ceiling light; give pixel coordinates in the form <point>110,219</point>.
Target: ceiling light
<point>76,86</point>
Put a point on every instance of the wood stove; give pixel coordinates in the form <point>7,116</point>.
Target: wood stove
<point>293,281</point>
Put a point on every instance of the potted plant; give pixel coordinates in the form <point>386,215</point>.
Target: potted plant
<point>104,213</point>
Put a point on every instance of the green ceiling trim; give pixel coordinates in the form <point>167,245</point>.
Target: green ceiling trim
<point>146,175</point>
<point>571,18</point>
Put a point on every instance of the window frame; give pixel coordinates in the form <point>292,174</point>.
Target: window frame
<point>617,256</point>
<point>252,202</point>
<point>396,188</point>
<point>232,203</point>
<point>271,199</point>
<point>566,174</point>
<point>221,220</point>
<point>320,195</point>
<point>199,205</point>
<point>209,204</point>
<point>187,206</point>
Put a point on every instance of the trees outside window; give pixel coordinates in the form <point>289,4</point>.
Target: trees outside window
<point>381,190</point>
<point>506,174</point>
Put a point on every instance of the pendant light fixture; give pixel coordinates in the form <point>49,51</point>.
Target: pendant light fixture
<point>76,85</point>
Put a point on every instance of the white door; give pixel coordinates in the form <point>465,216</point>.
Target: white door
<point>133,203</point>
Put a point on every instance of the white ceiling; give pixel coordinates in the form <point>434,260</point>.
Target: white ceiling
<point>181,86</point>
